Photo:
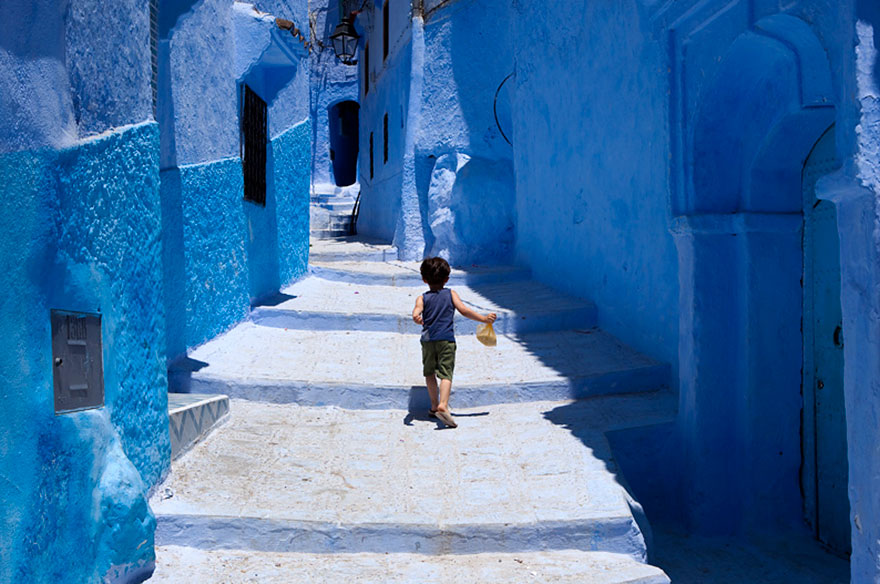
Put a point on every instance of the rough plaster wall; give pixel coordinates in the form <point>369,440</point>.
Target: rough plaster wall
<point>110,80</point>
<point>458,120</point>
<point>60,85</point>
<point>74,486</point>
<point>591,158</point>
<point>203,98</point>
<point>221,253</point>
<point>461,77</point>
<point>860,248</point>
<point>33,77</point>
<point>215,254</point>
<point>441,109</point>
<point>469,204</point>
<point>82,226</point>
<point>291,153</point>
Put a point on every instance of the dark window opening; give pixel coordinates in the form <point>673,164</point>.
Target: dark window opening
<point>366,68</point>
<point>254,129</point>
<point>371,155</point>
<point>385,136</point>
<point>343,132</point>
<point>385,30</point>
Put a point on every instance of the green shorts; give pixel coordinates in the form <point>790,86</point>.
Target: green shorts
<point>438,357</point>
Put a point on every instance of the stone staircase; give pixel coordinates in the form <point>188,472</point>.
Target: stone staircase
<point>330,211</point>
<point>329,469</point>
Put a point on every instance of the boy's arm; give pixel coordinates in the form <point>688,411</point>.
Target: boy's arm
<point>465,311</point>
<point>417,311</point>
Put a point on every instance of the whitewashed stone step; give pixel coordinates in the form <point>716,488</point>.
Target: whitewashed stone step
<point>511,478</point>
<point>350,248</point>
<point>321,198</point>
<point>182,565</point>
<point>398,273</point>
<point>522,306</point>
<point>380,370</point>
<point>339,207</point>
<point>328,233</point>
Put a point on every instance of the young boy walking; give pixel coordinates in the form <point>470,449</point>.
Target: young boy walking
<point>435,310</point>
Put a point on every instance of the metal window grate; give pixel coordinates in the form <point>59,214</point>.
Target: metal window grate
<point>385,20</point>
<point>254,131</point>
<point>154,53</point>
<point>366,68</point>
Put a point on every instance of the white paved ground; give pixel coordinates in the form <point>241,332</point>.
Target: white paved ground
<point>350,248</point>
<point>399,273</point>
<point>524,298</point>
<point>505,464</point>
<point>250,351</point>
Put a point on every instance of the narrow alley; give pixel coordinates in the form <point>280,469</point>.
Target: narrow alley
<point>526,488</point>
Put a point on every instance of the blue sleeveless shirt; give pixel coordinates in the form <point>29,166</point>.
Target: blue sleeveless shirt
<point>437,316</point>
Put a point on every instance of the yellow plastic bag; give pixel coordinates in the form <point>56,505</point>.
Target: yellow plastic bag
<point>486,334</point>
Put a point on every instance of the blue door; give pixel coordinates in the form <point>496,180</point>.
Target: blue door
<point>824,475</point>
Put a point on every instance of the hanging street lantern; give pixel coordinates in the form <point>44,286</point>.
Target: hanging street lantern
<point>345,41</point>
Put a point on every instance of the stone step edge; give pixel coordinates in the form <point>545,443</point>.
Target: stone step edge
<point>190,424</point>
<point>644,379</point>
<point>601,567</point>
<point>507,323</point>
<point>329,234</point>
<point>414,278</point>
<point>363,255</point>
<point>613,533</point>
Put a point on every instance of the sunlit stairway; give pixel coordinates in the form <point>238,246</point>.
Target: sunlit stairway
<point>330,470</point>
<point>330,211</point>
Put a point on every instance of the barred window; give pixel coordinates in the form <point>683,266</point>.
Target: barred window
<point>254,131</point>
<point>385,136</point>
<point>385,31</point>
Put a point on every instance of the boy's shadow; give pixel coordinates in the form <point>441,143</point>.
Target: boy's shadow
<point>420,404</point>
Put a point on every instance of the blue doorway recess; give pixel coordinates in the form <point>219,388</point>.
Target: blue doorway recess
<point>825,471</point>
<point>343,120</point>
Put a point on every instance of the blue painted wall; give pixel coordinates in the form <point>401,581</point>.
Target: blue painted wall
<point>447,187</point>
<point>389,92</point>
<point>291,155</point>
<point>84,227</point>
<point>591,158</point>
<point>90,228</point>
<point>221,253</point>
<point>855,192</point>
<point>80,210</point>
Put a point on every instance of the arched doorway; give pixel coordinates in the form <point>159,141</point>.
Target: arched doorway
<point>343,122</point>
<point>741,259</point>
<point>825,469</point>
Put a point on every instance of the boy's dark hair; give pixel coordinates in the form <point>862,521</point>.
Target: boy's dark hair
<point>435,272</point>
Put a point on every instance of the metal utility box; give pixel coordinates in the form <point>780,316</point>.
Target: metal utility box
<point>77,364</point>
